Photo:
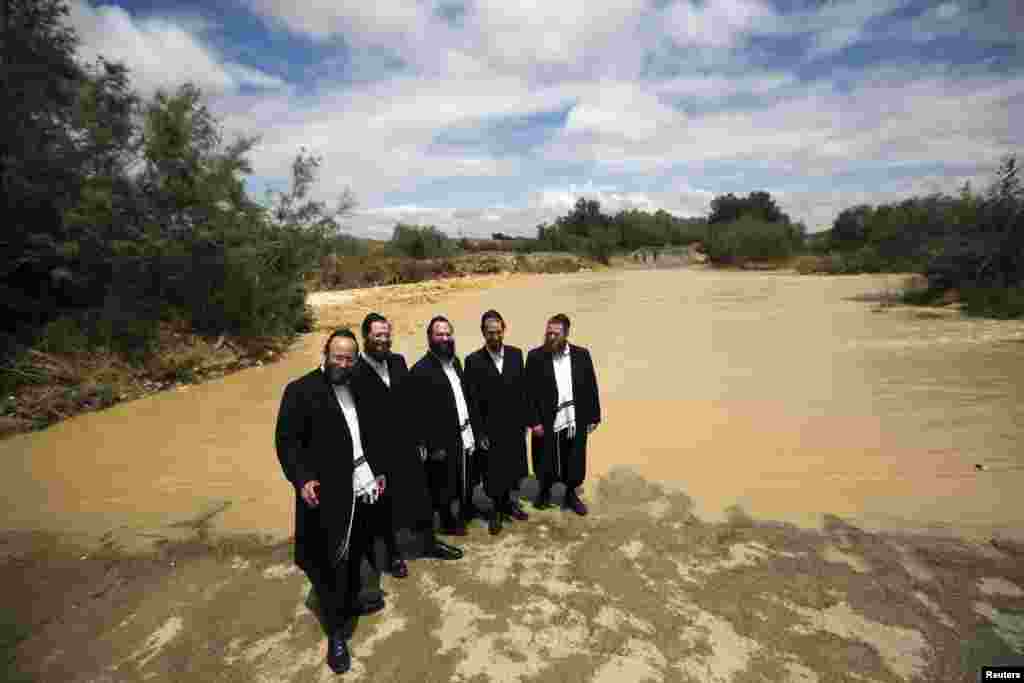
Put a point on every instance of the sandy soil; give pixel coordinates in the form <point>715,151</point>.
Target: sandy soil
<point>639,590</point>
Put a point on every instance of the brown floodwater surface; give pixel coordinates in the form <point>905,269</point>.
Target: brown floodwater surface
<point>777,393</point>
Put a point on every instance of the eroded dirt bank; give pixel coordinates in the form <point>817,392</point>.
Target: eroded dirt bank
<point>640,590</point>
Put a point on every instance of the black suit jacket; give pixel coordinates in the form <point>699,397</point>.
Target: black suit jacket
<point>392,452</point>
<point>429,403</point>
<point>313,442</point>
<point>382,410</point>
<point>504,413</point>
<point>542,388</point>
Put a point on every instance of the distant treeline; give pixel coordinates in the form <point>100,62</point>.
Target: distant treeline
<point>736,230</point>
<point>972,242</point>
<point>584,230</point>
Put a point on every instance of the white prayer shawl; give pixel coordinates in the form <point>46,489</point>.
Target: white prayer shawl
<point>381,368</point>
<point>468,440</point>
<point>498,358</point>
<point>363,481</point>
<point>565,415</point>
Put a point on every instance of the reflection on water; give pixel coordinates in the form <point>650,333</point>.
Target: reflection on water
<point>775,392</point>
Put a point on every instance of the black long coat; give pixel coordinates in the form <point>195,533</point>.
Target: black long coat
<point>542,395</point>
<point>504,413</point>
<point>429,402</point>
<point>314,443</point>
<point>387,421</point>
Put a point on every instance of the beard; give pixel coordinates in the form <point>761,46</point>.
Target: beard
<point>337,375</point>
<point>445,350</point>
<point>553,346</point>
<point>378,352</point>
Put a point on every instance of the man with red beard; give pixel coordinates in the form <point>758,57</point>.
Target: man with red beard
<point>562,390</point>
<point>444,426</point>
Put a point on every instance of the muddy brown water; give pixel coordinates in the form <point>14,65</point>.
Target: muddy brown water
<point>778,393</point>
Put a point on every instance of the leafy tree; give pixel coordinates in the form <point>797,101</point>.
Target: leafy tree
<point>40,79</point>
<point>421,242</point>
<point>850,228</point>
<point>750,239</point>
<point>760,205</point>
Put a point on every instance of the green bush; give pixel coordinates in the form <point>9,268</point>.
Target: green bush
<point>63,335</point>
<point>749,239</point>
<point>993,302</point>
<point>421,242</point>
<point>921,297</point>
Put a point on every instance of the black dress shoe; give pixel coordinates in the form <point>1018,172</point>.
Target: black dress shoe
<point>517,513</point>
<point>338,657</point>
<point>576,505</point>
<point>443,551</point>
<point>494,524</point>
<point>399,569</point>
<point>370,606</point>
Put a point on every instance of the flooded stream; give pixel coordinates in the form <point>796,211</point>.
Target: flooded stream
<point>779,393</point>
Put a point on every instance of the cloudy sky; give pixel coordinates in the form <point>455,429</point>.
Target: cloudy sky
<point>486,115</point>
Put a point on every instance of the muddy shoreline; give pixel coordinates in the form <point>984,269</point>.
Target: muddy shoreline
<point>92,382</point>
<point>640,588</point>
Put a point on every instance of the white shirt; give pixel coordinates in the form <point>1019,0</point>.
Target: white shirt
<point>498,358</point>
<point>381,368</point>
<point>468,441</point>
<point>566,417</point>
<point>362,476</point>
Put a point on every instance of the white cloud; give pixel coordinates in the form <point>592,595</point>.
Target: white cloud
<point>378,139</point>
<point>715,23</point>
<point>535,32</point>
<point>375,21</point>
<point>159,52</point>
<point>516,59</point>
<point>621,111</point>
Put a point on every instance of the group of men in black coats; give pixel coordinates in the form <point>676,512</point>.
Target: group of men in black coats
<point>372,446</point>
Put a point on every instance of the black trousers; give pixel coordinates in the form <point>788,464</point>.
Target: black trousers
<point>565,453</point>
<point>384,526</point>
<point>444,492</point>
<point>338,587</point>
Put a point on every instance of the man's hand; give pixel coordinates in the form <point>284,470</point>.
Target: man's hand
<point>538,431</point>
<point>310,493</point>
<point>422,450</point>
<point>484,443</point>
<point>592,427</point>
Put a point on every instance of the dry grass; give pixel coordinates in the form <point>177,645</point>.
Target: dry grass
<point>67,384</point>
<point>373,270</point>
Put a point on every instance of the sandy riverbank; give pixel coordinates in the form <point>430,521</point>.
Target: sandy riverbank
<point>640,590</point>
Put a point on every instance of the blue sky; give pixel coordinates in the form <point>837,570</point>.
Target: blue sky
<point>485,115</point>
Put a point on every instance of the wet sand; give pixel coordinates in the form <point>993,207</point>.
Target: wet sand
<point>641,590</point>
